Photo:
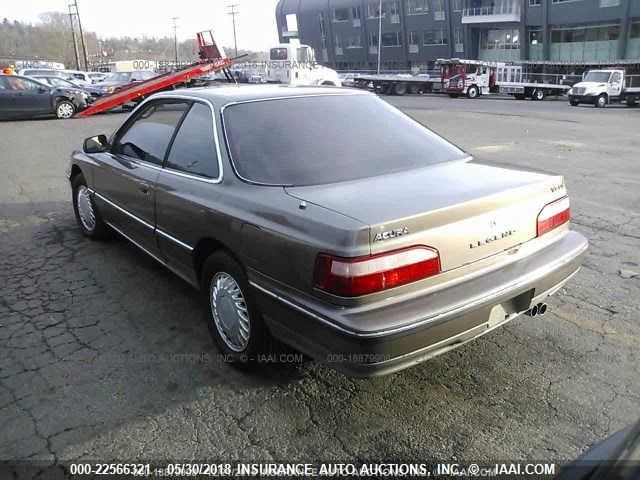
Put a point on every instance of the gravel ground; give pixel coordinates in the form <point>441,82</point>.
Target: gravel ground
<point>105,355</point>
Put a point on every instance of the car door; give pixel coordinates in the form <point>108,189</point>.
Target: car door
<point>31,97</point>
<point>6,98</point>
<point>191,176</point>
<point>125,183</point>
<point>614,88</point>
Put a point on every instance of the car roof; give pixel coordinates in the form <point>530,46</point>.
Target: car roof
<point>232,94</point>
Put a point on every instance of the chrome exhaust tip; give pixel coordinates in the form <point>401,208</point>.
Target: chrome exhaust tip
<point>533,311</point>
<point>542,308</point>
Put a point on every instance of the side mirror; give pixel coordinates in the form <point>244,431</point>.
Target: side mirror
<point>43,89</point>
<point>97,144</point>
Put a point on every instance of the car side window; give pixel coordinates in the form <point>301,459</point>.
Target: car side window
<point>148,136</point>
<point>194,150</point>
<point>4,85</point>
<point>22,84</point>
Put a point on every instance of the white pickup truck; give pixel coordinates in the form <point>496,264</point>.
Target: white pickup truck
<point>602,87</point>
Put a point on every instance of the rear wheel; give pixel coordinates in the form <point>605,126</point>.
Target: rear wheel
<point>87,215</point>
<point>538,95</point>
<point>472,91</point>
<point>234,321</point>
<point>631,102</point>
<point>574,103</point>
<point>65,109</point>
<point>400,88</point>
<point>601,101</point>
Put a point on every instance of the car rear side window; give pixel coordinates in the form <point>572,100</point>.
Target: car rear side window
<point>320,139</point>
<point>194,150</point>
<point>148,137</point>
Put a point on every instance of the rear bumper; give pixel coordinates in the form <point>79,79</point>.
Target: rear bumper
<point>440,321</point>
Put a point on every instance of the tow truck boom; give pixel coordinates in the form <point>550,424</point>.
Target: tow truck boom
<point>212,58</point>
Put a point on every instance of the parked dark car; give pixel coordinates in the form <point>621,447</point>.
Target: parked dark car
<point>91,91</point>
<point>327,219</point>
<point>116,80</point>
<point>23,97</point>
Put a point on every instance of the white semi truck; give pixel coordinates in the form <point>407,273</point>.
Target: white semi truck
<point>602,87</point>
<point>295,64</point>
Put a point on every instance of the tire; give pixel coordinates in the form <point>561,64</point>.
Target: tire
<point>473,92</point>
<point>65,109</point>
<point>574,103</point>
<point>232,310</point>
<point>87,215</point>
<point>631,102</point>
<point>537,95</point>
<point>601,101</point>
<point>400,89</point>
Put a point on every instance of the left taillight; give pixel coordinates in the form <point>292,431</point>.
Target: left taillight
<point>352,277</point>
<point>553,215</point>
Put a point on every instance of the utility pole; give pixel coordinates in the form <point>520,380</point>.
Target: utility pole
<point>84,47</point>
<point>175,39</point>
<point>73,35</point>
<point>233,12</point>
<point>379,35</point>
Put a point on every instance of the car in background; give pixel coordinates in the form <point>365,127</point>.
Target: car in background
<point>97,76</point>
<point>91,91</point>
<point>23,97</point>
<point>117,80</point>
<point>85,78</point>
<point>386,246</point>
<point>348,79</point>
<point>32,72</point>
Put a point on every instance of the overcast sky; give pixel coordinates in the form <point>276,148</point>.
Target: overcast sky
<point>255,24</point>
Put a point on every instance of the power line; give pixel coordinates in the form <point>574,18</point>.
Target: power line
<point>233,12</point>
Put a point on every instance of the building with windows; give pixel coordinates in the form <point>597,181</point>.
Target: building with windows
<point>415,33</point>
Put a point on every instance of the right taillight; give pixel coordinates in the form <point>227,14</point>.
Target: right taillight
<point>553,215</point>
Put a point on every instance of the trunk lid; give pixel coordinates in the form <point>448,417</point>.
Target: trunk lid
<point>467,211</point>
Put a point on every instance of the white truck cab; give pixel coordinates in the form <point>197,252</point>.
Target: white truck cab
<point>295,64</point>
<point>601,87</point>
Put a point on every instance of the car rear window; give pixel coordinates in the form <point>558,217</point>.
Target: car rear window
<point>329,138</point>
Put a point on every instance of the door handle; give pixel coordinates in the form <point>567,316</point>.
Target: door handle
<point>144,188</point>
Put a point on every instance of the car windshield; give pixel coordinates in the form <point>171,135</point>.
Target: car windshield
<point>601,77</point>
<point>326,139</point>
<point>118,77</point>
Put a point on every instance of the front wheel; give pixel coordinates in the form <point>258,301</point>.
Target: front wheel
<point>234,321</point>
<point>574,103</point>
<point>472,91</point>
<point>601,101</point>
<point>65,109</point>
<point>87,215</point>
